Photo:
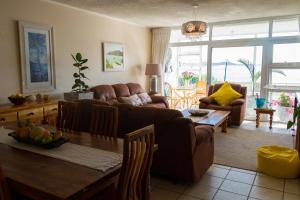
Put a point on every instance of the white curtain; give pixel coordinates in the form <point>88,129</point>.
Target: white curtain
<point>160,44</point>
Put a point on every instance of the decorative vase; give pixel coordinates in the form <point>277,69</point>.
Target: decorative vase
<point>186,83</point>
<point>285,113</point>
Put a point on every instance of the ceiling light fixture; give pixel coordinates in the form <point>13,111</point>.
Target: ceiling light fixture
<point>194,29</point>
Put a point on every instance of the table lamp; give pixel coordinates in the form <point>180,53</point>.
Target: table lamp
<point>153,70</point>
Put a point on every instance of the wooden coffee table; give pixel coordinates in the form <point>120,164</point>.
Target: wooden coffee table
<point>215,118</point>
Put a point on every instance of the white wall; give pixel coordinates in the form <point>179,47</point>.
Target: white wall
<point>74,30</point>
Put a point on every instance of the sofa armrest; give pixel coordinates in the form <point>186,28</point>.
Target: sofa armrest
<point>238,102</point>
<point>206,100</point>
<point>160,99</point>
<point>204,133</point>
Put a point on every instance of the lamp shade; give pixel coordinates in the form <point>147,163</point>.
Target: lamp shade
<point>153,69</point>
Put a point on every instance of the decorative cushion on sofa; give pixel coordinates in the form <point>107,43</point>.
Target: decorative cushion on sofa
<point>225,95</point>
<point>133,100</point>
<point>145,98</point>
<point>121,90</point>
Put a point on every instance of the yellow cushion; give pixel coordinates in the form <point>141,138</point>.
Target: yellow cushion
<point>225,95</point>
<point>278,161</point>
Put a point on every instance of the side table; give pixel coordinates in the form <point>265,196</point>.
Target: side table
<point>267,111</point>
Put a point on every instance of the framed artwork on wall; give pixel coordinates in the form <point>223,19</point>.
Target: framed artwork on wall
<point>37,57</point>
<point>113,57</point>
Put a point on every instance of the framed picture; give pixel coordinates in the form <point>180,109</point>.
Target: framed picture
<point>113,57</point>
<point>37,57</point>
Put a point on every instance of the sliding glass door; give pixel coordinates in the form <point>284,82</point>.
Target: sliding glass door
<point>241,65</point>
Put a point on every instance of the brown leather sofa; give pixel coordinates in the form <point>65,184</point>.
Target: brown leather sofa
<point>185,152</point>
<point>112,94</point>
<point>237,107</point>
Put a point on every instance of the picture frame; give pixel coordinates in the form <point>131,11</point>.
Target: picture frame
<point>37,57</point>
<point>113,57</point>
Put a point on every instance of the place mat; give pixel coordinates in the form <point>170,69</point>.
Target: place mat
<point>90,157</point>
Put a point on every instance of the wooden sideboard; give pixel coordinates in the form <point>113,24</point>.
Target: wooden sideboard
<point>42,112</point>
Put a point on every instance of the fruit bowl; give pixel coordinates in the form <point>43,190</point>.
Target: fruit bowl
<point>50,145</point>
<point>17,100</point>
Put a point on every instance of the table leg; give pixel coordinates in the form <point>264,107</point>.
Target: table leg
<point>257,119</point>
<point>271,120</point>
<point>224,126</point>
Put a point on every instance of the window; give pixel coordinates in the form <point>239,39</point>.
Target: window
<point>285,77</point>
<point>286,27</point>
<point>176,36</point>
<point>286,53</point>
<point>240,31</point>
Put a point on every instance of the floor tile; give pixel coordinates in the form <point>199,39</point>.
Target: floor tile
<point>288,196</point>
<point>201,191</point>
<point>292,186</point>
<point>221,166</point>
<point>269,182</point>
<point>223,195</point>
<point>168,185</point>
<point>187,197</point>
<point>265,194</point>
<point>236,187</point>
<point>241,177</point>
<point>243,170</point>
<point>218,172</point>
<point>160,194</point>
<point>211,181</point>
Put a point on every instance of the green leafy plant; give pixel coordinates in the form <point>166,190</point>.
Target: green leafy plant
<point>79,76</point>
<point>290,123</point>
<point>284,100</point>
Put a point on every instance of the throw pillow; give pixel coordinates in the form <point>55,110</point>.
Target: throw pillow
<point>133,100</point>
<point>145,98</point>
<point>225,95</point>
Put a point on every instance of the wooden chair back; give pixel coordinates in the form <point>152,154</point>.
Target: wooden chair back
<point>137,157</point>
<point>4,191</point>
<point>104,121</point>
<point>68,116</point>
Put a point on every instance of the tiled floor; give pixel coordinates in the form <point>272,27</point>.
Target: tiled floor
<point>226,183</point>
<point>264,127</point>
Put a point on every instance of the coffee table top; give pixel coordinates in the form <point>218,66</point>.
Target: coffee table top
<point>214,118</point>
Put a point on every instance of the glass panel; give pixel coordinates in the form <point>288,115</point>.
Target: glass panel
<point>286,53</point>
<point>239,31</point>
<point>189,58</point>
<point>176,36</point>
<point>285,27</point>
<point>285,77</point>
<point>240,65</point>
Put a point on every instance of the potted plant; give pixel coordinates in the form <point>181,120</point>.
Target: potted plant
<point>284,107</point>
<point>187,77</point>
<point>79,88</point>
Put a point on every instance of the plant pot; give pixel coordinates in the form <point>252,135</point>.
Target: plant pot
<point>73,96</point>
<point>285,113</point>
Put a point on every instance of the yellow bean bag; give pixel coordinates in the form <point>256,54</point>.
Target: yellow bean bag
<point>278,161</point>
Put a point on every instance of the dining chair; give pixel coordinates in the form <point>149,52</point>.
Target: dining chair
<point>68,116</point>
<point>173,97</point>
<point>137,158</point>
<point>4,191</point>
<point>104,121</point>
<point>200,92</point>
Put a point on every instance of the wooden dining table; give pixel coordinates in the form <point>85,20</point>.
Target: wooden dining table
<point>41,177</point>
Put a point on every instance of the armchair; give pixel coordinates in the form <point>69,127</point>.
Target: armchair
<point>237,107</point>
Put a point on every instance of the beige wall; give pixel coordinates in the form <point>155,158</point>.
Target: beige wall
<point>74,30</point>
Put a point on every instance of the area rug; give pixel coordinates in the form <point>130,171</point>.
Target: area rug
<point>237,147</point>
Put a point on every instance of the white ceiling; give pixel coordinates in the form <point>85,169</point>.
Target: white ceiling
<point>158,13</point>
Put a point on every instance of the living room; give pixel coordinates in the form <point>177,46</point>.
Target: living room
<point>212,85</point>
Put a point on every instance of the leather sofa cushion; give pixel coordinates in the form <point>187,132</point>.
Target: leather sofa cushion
<point>121,90</point>
<point>104,92</point>
<point>135,88</point>
<point>155,105</point>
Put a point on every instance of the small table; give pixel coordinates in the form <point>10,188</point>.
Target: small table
<point>267,111</point>
<point>215,118</point>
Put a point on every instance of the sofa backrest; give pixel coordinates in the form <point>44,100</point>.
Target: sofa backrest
<point>104,93</point>
<point>237,87</point>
